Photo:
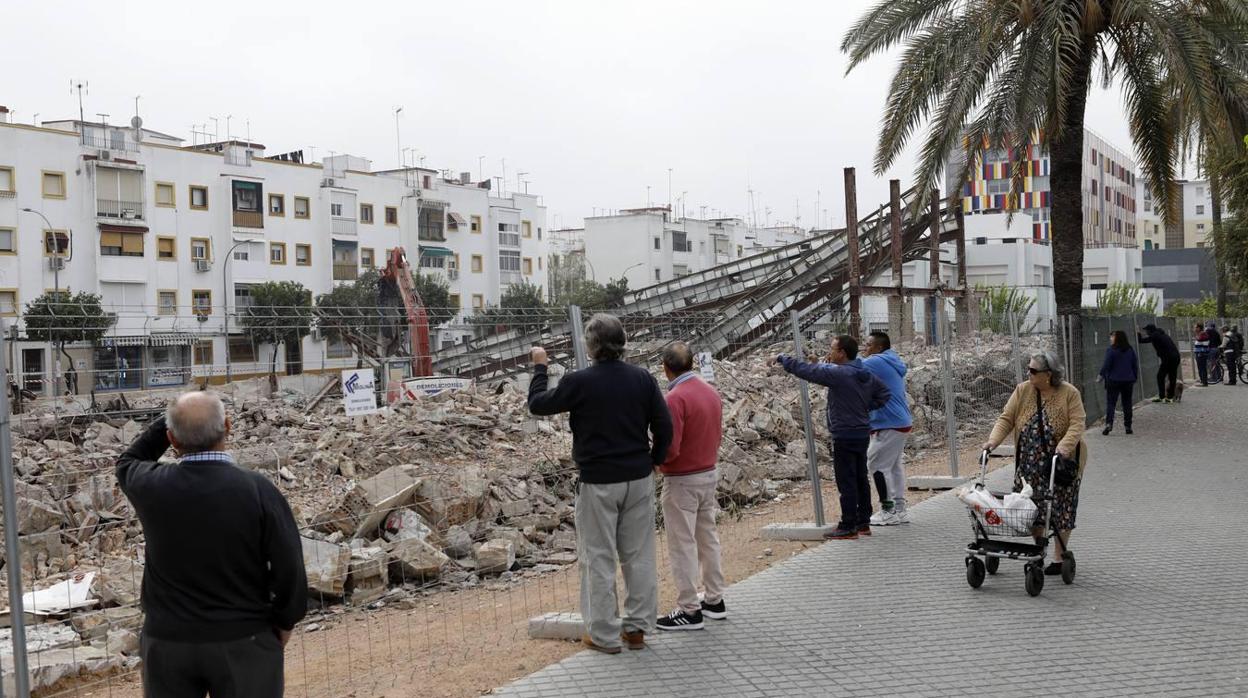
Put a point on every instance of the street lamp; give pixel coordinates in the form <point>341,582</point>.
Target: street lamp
<point>225,306</point>
<point>624,275</point>
<point>56,283</point>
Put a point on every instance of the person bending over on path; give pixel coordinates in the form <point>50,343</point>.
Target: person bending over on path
<point>853,392</point>
<point>889,426</point>
<point>1046,415</point>
<point>1119,371</point>
<point>689,504</point>
<point>1168,355</point>
<point>223,579</point>
<point>1234,343</point>
<point>1202,350</point>
<point>621,430</point>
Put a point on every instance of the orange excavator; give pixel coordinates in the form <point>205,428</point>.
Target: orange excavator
<point>396,280</point>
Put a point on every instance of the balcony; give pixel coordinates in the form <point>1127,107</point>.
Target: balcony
<point>113,140</point>
<point>121,210</point>
<point>248,219</point>
<point>508,239</point>
<point>346,271</point>
<point>341,225</point>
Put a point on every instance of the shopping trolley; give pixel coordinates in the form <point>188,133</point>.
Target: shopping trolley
<point>991,527</point>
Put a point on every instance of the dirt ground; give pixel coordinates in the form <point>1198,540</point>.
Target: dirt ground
<point>465,643</point>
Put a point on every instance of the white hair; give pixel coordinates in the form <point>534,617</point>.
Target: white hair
<point>195,430</point>
<point>1049,360</point>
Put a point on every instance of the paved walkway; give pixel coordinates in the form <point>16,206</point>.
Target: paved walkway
<point>1160,606</point>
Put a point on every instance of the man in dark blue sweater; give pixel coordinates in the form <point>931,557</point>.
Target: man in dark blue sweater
<point>620,433</point>
<point>223,579</point>
<point>853,391</point>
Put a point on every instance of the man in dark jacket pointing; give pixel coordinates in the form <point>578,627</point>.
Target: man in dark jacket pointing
<point>1168,355</point>
<point>853,392</point>
<point>223,580</point>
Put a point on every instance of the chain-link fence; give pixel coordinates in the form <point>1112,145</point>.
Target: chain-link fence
<point>434,529</point>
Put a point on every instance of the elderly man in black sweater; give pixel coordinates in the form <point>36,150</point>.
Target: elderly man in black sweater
<point>223,579</point>
<point>620,432</point>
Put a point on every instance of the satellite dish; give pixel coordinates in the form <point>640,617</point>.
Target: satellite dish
<point>136,121</point>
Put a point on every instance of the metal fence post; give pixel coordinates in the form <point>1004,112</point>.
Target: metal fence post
<point>946,371</point>
<point>1015,350</point>
<point>12,552</point>
<point>812,456</point>
<point>578,337</point>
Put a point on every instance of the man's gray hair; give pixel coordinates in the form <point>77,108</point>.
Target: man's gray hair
<point>197,429</point>
<point>604,337</point>
<point>678,357</point>
<point>1049,360</point>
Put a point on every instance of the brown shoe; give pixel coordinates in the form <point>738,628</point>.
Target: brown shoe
<point>864,530</point>
<point>635,639</point>
<point>589,642</point>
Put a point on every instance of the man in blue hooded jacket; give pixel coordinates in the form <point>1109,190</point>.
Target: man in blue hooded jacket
<point>889,426</point>
<point>853,392</point>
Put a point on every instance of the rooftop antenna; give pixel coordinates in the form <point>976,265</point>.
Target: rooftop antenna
<point>103,118</point>
<point>480,171</point>
<point>136,104</point>
<point>818,218</point>
<point>82,88</point>
<point>228,137</point>
<point>216,128</point>
<point>312,150</point>
<point>398,140</point>
<point>249,132</point>
<point>502,185</point>
<point>34,120</point>
<point>797,216</point>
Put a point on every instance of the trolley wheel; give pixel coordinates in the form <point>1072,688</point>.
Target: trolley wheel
<point>1068,567</point>
<point>993,564</point>
<point>974,572</point>
<point>1034,579</point>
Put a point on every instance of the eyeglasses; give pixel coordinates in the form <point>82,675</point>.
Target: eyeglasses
<point>1034,371</point>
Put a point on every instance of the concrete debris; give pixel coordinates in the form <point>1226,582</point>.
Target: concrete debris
<point>413,559</point>
<point>495,556</point>
<point>327,565</point>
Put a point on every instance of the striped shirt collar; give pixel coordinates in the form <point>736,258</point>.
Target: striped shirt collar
<point>206,456</point>
<point>681,379</point>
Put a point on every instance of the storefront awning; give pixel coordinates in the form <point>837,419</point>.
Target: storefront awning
<point>134,340</point>
<point>172,339</point>
<point>111,228</point>
<point>431,251</point>
<point>457,219</point>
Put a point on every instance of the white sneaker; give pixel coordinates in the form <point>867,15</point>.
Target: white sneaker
<point>884,518</point>
<point>903,516</point>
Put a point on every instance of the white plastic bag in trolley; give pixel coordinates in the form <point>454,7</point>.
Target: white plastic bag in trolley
<point>1020,510</point>
<point>982,501</point>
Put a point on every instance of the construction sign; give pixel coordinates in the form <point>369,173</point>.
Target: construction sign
<point>359,391</point>
<point>705,366</point>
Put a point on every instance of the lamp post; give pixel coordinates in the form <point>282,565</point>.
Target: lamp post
<point>225,306</point>
<point>56,284</point>
<point>624,274</point>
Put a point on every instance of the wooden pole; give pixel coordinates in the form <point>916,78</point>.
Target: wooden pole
<point>935,302</point>
<point>899,325</point>
<point>851,233</point>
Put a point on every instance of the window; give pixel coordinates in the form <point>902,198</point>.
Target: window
<point>1200,191</point>
<point>539,263</point>
<point>478,263</point>
<point>8,241</point>
<point>167,302</point>
<point>367,257</point>
<point>303,255</point>
<point>53,185</point>
<point>658,275</point>
<point>426,182</point>
<point>337,348</point>
<point>8,302</point>
<point>432,261</point>
<point>453,300</point>
<point>680,242</point>
<point>1200,210</point>
<point>509,234</point>
<point>392,215</point>
<point>1002,186</point>
<point>527,266</point>
<point>201,249</point>
<point>303,207</point>
<point>242,296</point>
<point>55,242</point>
<point>166,195</point>
<point>242,350</point>
<point>539,232</point>
<point>430,225</point>
<point>658,243</point>
<point>277,253</point>
<point>366,213</point>
<point>478,301</point>
<point>203,353</point>
<point>526,229</point>
<point>242,254</point>
<point>1148,206</point>
<point>1200,226</point>
<point>679,270</point>
<point>277,205</point>
<point>199,197</point>
<point>166,248</point>
<point>475,224</point>
<point>335,209</point>
<point>118,244</point>
<point>8,183</point>
<point>201,302</point>
<point>509,261</point>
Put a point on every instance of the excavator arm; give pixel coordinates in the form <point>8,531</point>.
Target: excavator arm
<point>399,273</point>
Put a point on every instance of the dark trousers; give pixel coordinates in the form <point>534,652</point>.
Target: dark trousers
<point>849,465</point>
<point>1232,366</point>
<point>1202,368</point>
<point>1114,389</point>
<point>247,668</point>
<point>1167,377</point>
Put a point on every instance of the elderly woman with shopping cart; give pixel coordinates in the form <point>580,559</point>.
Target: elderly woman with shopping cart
<point>1046,413</point>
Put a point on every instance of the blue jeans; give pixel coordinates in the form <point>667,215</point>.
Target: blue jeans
<point>1114,389</point>
<point>849,465</point>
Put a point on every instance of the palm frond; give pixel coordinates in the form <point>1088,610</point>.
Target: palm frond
<point>887,24</point>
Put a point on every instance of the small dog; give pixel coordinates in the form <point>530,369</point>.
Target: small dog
<point>1178,391</point>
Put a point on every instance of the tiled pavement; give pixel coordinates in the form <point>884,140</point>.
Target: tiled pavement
<point>1160,605</point>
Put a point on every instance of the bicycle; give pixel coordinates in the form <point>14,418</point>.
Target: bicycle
<point>1216,371</point>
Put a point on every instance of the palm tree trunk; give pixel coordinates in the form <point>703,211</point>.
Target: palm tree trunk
<point>1066,153</point>
<point>273,369</point>
<point>1219,246</point>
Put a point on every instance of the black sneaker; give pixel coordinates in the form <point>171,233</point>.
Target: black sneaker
<point>679,620</point>
<point>841,534</point>
<point>715,611</point>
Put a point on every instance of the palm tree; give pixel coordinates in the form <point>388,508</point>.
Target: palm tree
<point>998,72</point>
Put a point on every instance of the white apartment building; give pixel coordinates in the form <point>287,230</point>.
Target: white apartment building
<point>172,237</point>
<point>1194,226</point>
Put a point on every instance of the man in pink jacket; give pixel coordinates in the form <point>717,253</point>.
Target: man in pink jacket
<point>689,504</point>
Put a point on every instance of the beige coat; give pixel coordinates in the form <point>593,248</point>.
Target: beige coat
<point>1064,407</point>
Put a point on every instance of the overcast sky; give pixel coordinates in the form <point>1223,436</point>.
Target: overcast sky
<point>594,100</point>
